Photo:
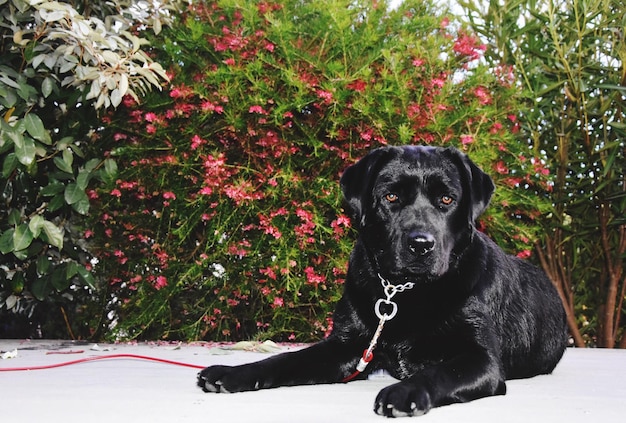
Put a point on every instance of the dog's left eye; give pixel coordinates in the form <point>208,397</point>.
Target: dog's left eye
<point>391,197</point>
<point>446,200</point>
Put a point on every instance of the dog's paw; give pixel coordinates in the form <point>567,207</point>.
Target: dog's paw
<point>403,399</point>
<point>227,379</point>
<point>210,378</point>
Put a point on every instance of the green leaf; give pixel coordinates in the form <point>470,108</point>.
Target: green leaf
<point>35,225</point>
<point>52,189</point>
<point>43,265</point>
<point>87,277</point>
<point>71,270</point>
<point>40,288</point>
<point>26,151</point>
<point>34,126</point>
<point>57,202</point>
<point>6,241</point>
<point>15,217</point>
<point>21,254</point>
<point>63,166</point>
<point>22,237</point>
<point>53,234</point>
<point>9,165</point>
<point>47,86</point>
<point>82,180</point>
<point>74,193</point>
<point>60,280</point>
<point>64,143</point>
<point>110,170</point>
<point>82,206</point>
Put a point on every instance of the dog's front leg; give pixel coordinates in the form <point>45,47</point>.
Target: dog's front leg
<point>465,378</point>
<point>328,361</point>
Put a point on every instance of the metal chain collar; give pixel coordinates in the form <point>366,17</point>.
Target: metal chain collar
<point>390,290</point>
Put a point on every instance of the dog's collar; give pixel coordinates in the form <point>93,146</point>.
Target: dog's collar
<point>390,290</point>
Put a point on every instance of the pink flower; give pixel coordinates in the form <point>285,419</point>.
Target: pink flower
<point>327,96</point>
<point>501,168</point>
<point>278,302</point>
<point>497,127</point>
<point>438,82</point>
<point>257,109</point>
<point>161,282</point>
<point>206,191</point>
<point>483,95</point>
<point>312,277</point>
<point>169,195</point>
<point>469,46</point>
<point>196,142</point>
<point>116,193</point>
<point>269,272</point>
<point>358,85</point>
<point>524,254</point>
<point>342,220</point>
<point>467,139</point>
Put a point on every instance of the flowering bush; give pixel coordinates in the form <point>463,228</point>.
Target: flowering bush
<point>226,219</point>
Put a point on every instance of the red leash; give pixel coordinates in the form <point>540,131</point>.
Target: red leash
<point>103,357</point>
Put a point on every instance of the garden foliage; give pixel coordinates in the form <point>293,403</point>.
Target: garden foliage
<point>569,58</point>
<point>226,220</point>
<point>57,68</point>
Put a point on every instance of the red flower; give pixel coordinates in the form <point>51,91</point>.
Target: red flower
<point>469,45</point>
<point>358,85</point>
<point>327,96</point>
<point>161,282</point>
<point>483,95</point>
<point>313,278</point>
<point>501,168</point>
<point>257,109</point>
<point>467,139</point>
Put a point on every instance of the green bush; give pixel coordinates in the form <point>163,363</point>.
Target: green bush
<point>225,221</point>
<point>58,67</point>
<point>569,56</point>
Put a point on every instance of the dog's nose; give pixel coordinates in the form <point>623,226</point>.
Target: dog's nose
<point>421,243</point>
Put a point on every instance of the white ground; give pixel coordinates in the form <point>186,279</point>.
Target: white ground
<point>589,385</point>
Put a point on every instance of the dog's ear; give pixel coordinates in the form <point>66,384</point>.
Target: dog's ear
<point>477,185</point>
<point>357,183</point>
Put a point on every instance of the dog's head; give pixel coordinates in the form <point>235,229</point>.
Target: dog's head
<point>415,207</point>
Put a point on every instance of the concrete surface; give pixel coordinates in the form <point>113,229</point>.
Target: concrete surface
<point>589,385</point>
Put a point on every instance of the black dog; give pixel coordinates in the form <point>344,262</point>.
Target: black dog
<point>427,297</point>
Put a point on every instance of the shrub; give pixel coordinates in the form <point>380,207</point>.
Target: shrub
<point>226,219</point>
<point>570,58</point>
<point>58,67</point>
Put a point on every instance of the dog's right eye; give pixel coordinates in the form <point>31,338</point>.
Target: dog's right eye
<point>392,198</point>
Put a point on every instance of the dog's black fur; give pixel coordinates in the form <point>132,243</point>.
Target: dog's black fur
<point>474,318</point>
